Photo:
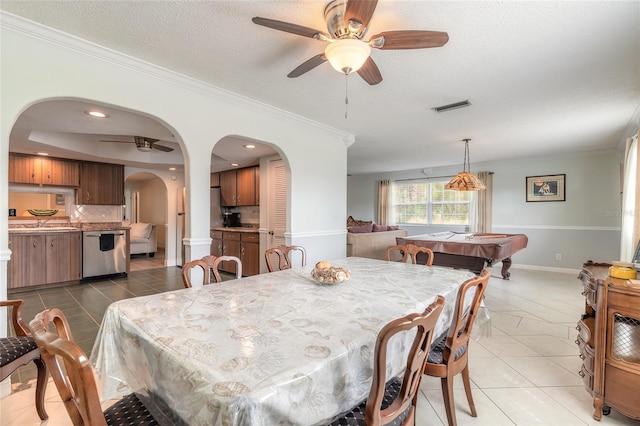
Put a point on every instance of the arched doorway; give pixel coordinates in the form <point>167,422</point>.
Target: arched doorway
<point>146,202</point>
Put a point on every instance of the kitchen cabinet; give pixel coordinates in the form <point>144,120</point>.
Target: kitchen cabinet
<point>230,247</point>
<point>38,259</point>
<point>43,171</point>
<point>239,187</point>
<point>609,341</point>
<point>101,184</point>
<point>228,188</point>
<point>243,245</point>
<point>246,187</point>
<point>215,180</point>
<point>216,243</point>
<point>250,253</point>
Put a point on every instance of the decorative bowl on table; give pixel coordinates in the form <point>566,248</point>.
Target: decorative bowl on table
<point>38,212</point>
<point>325,273</point>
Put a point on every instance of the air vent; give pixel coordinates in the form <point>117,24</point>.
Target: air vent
<point>449,107</point>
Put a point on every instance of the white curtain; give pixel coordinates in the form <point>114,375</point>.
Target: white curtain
<point>480,206</point>
<point>630,221</point>
<point>384,194</point>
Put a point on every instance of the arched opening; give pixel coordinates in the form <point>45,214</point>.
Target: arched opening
<point>243,188</point>
<point>146,203</point>
<point>154,170</point>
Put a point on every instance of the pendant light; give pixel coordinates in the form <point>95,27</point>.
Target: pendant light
<point>465,180</point>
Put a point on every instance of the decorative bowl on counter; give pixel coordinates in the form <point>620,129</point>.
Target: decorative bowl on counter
<point>324,273</point>
<point>37,212</point>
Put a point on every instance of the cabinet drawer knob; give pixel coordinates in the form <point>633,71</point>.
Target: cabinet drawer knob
<point>584,293</point>
<point>34,243</point>
<point>577,327</point>
<point>581,373</point>
<point>577,343</point>
<point>581,356</point>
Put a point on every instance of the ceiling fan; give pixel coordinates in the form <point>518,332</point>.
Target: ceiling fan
<point>347,22</point>
<point>144,144</point>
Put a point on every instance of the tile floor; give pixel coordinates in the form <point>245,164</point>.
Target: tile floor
<point>525,373</point>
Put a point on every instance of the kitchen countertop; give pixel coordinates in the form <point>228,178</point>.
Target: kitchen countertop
<point>234,229</point>
<point>43,230</point>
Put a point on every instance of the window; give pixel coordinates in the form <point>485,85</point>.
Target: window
<point>427,202</point>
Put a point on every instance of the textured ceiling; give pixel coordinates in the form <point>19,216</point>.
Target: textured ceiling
<point>543,77</point>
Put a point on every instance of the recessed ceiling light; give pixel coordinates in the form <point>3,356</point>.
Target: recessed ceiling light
<point>42,153</point>
<point>234,164</point>
<point>249,146</point>
<point>96,114</point>
<point>172,168</point>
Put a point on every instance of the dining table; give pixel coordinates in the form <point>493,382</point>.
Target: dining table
<point>271,349</point>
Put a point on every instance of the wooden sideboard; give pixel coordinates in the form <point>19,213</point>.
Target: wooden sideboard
<point>609,341</point>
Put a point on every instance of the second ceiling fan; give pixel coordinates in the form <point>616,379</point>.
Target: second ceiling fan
<point>347,23</point>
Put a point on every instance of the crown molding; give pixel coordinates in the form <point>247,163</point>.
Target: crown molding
<point>58,38</point>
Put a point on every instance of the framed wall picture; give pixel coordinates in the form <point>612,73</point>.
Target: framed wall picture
<point>545,188</point>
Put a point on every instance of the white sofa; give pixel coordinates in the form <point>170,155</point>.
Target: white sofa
<point>372,244</point>
<point>143,238</point>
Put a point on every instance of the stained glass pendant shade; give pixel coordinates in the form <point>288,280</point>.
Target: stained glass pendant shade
<point>465,180</point>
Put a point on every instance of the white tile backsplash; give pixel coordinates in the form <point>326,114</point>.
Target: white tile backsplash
<point>89,213</point>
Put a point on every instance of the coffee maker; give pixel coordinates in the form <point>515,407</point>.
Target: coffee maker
<point>230,219</point>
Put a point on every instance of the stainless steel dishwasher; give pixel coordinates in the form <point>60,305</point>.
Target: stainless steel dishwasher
<point>104,253</point>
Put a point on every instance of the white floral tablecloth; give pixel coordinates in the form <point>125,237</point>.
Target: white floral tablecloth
<point>272,349</point>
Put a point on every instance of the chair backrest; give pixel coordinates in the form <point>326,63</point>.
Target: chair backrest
<point>283,255</point>
<point>391,253</point>
<point>416,361</point>
<point>459,332</point>
<point>214,264</point>
<point>414,251</point>
<point>19,326</point>
<point>198,263</point>
<point>69,367</point>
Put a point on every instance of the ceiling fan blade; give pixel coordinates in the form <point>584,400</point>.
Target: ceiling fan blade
<point>290,28</point>
<point>370,72</point>
<point>360,11</point>
<point>104,140</point>
<point>161,148</point>
<point>409,39</point>
<point>307,65</point>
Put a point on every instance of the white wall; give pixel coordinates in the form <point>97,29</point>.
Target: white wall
<point>39,64</point>
<point>584,227</point>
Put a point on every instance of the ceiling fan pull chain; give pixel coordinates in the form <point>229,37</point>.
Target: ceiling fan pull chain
<point>346,95</point>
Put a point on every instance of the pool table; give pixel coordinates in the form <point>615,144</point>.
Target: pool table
<point>470,251</point>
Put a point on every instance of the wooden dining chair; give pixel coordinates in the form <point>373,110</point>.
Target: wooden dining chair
<point>74,378</point>
<point>416,251</point>
<point>214,265</point>
<point>394,402</point>
<point>187,268</point>
<point>449,353</point>
<point>396,252</point>
<point>283,255</point>
<point>21,349</point>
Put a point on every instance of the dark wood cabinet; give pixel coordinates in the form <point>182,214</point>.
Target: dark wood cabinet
<point>243,245</point>
<point>215,180</point>
<point>230,247</point>
<point>43,171</point>
<point>101,184</point>
<point>609,341</point>
<point>38,259</point>
<point>228,188</point>
<point>250,253</point>
<point>239,187</point>
<point>246,187</point>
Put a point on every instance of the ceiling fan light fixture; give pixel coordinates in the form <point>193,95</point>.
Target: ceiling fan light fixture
<point>465,180</point>
<point>143,144</point>
<point>347,55</point>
